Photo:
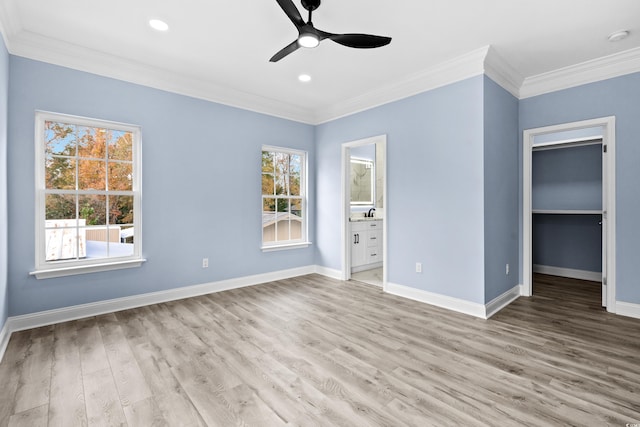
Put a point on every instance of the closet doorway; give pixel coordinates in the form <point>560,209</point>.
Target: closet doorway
<point>538,206</point>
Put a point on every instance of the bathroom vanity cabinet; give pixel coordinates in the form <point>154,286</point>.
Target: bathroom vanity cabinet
<point>366,244</point>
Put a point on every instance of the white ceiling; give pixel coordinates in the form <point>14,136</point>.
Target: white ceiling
<point>222,47</point>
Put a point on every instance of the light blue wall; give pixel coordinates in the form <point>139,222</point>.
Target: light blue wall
<point>452,177</point>
<point>4,88</point>
<point>500,189</point>
<point>614,97</point>
<point>435,201</point>
<point>201,185</point>
<point>567,178</point>
<point>567,241</point>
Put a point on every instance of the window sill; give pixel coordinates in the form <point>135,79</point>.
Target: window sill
<point>285,247</point>
<point>85,269</point>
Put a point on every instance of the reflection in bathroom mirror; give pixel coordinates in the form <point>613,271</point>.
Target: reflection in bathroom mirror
<point>362,181</point>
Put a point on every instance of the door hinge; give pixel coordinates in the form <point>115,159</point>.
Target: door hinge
<point>604,148</point>
<point>604,281</point>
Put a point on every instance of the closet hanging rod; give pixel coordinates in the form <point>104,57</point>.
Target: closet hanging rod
<point>569,143</point>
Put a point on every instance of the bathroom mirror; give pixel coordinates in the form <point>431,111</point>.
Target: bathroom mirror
<point>362,181</point>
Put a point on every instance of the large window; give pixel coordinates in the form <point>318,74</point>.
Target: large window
<point>283,198</point>
<point>87,195</point>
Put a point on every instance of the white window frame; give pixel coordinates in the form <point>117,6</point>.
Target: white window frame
<point>49,269</point>
<point>303,242</point>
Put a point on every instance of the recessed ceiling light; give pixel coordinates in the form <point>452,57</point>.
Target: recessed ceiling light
<point>304,78</point>
<point>159,25</point>
<point>618,35</point>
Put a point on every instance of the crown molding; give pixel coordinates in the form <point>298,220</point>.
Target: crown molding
<point>483,60</point>
<point>501,72</point>
<point>606,67</point>
<point>454,70</point>
<point>34,46</point>
<point>9,21</point>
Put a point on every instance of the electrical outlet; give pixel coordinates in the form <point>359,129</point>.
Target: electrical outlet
<point>506,270</point>
<point>205,262</point>
<point>418,267</point>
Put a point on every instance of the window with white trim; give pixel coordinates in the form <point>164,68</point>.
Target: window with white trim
<point>87,195</point>
<point>284,201</point>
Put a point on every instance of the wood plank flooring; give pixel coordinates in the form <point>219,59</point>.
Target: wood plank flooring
<point>315,351</point>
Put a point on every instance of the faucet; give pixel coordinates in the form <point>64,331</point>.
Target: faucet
<point>370,214</point>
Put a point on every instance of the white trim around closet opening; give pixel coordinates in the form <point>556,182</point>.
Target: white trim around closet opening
<point>609,205</point>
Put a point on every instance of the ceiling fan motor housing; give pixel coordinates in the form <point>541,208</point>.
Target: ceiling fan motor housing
<point>309,36</point>
<point>310,4</point>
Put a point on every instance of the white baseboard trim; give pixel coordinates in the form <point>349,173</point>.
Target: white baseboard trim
<point>501,301</point>
<point>5,335</point>
<point>50,317</point>
<point>628,309</point>
<point>329,272</point>
<point>456,304</point>
<point>594,276</point>
<point>366,267</point>
<point>443,301</point>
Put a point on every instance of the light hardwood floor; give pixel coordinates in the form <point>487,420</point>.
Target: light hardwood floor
<point>372,277</point>
<point>316,351</point>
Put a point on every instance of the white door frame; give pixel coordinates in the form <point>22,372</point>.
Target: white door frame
<point>608,203</point>
<point>346,204</point>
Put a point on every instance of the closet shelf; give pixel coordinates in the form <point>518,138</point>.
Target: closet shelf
<point>567,211</point>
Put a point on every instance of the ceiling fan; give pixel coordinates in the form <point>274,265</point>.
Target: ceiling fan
<point>309,36</point>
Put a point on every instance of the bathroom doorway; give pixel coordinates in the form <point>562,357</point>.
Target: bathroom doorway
<point>364,210</point>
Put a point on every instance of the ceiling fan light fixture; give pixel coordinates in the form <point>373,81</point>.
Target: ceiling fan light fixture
<point>308,40</point>
<point>309,36</point>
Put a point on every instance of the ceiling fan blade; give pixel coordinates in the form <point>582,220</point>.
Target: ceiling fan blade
<point>360,41</point>
<point>292,12</point>
<point>285,51</point>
